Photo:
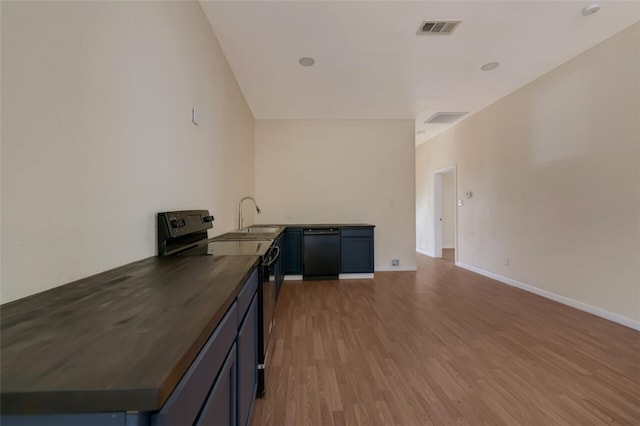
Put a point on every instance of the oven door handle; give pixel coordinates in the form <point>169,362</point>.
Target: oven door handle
<point>272,258</point>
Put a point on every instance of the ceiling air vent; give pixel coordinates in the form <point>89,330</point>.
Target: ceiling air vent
<point>445,117</point>
<point>438,27</point>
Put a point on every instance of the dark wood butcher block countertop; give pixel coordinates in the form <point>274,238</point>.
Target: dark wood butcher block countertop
<point>117,341</point>
<point>234,236</point>
<point>325,225</point>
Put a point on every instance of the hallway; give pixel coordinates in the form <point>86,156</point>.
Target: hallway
<point>449,255</point>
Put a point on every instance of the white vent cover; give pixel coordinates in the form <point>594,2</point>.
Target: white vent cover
<point>445,117</point>
<point>438,27</point>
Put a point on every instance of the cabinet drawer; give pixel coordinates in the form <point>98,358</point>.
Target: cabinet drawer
<point>246,294</point>
<point>357,232</point>
<point>183,405</point>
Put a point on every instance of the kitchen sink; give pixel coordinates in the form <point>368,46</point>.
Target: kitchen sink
<point>259,229</point>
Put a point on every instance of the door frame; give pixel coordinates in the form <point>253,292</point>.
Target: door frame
<point>437,210</point>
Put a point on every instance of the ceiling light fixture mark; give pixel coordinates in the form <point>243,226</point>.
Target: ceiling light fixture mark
<point>591,9</point>
<point>306,62</point>
<point>490,66</point>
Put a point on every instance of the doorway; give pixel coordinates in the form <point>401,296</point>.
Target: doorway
<point>445,214</point>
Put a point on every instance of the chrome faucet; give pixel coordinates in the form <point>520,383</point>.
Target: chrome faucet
<point>240,209</point>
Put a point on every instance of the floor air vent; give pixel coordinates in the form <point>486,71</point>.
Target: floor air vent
<point>438,27</point>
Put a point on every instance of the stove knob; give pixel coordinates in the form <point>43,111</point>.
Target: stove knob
<point>178,223</point>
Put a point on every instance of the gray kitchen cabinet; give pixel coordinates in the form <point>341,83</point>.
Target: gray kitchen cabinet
<point>292,255</point>
<point>220,408</point>
<point>356,250</point>
<point>247,382</point>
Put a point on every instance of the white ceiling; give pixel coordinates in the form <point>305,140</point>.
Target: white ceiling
<point>371,64</point>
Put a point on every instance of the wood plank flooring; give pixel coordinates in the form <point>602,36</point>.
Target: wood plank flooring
<point>443,346</point>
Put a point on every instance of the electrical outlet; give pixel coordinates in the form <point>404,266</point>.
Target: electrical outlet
<point>395,262</point>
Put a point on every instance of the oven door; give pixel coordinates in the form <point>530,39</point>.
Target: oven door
<point>267,306</point>
<point>268,294</point>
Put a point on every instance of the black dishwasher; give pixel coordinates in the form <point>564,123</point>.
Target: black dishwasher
<point>321,253</point>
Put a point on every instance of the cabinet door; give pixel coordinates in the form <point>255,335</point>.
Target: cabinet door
<point>292,259</point>
<point>356,255</point>
<point>247,363</point>
<point>220,408</point>
<point>187,398</point>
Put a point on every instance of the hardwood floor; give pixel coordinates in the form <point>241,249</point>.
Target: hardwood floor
<point>449,254</point>
<point>443,346</point>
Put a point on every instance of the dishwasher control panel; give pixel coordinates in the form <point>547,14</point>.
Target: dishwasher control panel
<point>321,231</point>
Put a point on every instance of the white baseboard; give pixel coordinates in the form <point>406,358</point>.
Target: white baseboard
<point>449,247</point>
<point>293,277</point>
<point>395,268</point>
<point>627,322</point>
<point>359,276</point>
<point>354,276</point>
<point>341,277</point>
<point>425,252</point>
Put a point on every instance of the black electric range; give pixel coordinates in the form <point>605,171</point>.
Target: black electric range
<point>184,233</point>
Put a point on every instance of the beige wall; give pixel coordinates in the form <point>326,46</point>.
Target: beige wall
<point>555,172</point>
<point>97,134</point>
<point>448,210</point>
<point>346,171</point>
